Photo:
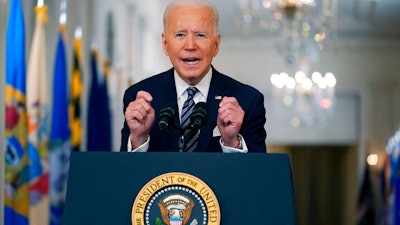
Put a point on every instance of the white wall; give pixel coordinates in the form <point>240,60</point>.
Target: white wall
<point>368,86</point>
<point>359,67</point>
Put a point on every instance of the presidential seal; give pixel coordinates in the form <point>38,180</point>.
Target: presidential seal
<point>176,199</point>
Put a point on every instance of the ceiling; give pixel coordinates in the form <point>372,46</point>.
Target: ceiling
<point>356,18</point>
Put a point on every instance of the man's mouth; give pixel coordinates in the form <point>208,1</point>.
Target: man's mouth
<point>191,61</point>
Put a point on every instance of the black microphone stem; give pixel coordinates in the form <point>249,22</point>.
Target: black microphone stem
<point>181,143</point>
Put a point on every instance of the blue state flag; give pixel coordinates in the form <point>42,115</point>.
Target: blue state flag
<point>60,144</point>
<point>99,119</point>
<point>16,182</point>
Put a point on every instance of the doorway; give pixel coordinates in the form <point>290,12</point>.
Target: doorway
<point>325,183</point>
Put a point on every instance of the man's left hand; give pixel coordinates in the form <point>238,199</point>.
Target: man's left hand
<point>229,121</point>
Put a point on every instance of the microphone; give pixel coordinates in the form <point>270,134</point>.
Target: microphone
<point>199,116</point>
<point>165,118</point>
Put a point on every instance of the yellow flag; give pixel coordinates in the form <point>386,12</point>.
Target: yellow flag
<point>76,98</point>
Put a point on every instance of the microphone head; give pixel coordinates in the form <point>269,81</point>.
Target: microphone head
<point>165,117</point>
<point>199,115</point>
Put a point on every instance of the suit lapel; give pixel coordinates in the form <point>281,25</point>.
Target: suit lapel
<point>217,88</point>
<point>167,97</point>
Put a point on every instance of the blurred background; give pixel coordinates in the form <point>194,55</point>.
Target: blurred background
<point>329,71</point>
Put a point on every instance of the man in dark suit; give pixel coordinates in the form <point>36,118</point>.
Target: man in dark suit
<point>236,113</point>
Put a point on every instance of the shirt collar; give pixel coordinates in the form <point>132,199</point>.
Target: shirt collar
<point>202,86</point>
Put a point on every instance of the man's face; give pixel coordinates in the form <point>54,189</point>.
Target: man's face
<point>190,41</point>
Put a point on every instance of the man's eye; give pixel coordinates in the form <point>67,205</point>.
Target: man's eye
<point>180,35</point>
<point>201,35</point>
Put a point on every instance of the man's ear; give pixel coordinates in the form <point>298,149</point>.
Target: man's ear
<point>217,44</point>
<point>164,43</point>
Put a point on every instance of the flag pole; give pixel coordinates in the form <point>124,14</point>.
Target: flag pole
<point>40,3</point>
<point>63,13</point>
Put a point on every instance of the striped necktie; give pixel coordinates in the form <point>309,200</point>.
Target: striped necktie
<point>190,141</point>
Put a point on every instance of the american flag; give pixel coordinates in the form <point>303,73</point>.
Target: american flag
<point>175,221</point>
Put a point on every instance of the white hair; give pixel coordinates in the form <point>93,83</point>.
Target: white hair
<point>191,3</point>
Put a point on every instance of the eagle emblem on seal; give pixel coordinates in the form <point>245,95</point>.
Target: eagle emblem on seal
<point>176,209</point>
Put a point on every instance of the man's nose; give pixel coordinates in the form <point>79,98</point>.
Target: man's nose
<point>190,42</point>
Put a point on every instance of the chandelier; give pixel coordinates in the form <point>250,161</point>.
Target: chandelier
<point>300,30</point>
<point>310,98</point>
<point>291,20</point>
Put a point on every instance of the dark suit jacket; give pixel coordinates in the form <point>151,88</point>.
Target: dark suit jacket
<point>162,88</point>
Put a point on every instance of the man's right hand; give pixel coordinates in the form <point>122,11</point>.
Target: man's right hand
<point>139,116</point>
